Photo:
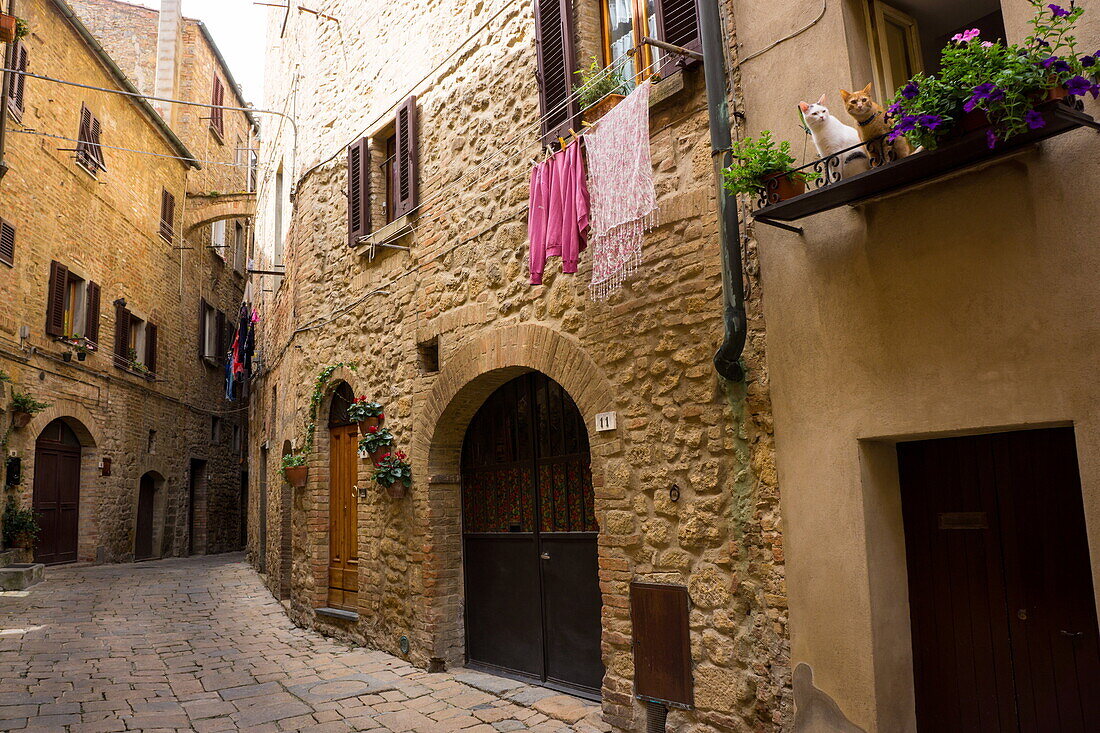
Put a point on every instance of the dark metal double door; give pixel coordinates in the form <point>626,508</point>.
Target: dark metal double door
<point>57,493</point>
<point>529,538</point>
<point>1001,596</point>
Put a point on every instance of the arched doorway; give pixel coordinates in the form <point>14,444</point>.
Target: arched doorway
<point>146,536</point>
<point>57,493</point>
<point>529,538</point>
<point>343,557</point>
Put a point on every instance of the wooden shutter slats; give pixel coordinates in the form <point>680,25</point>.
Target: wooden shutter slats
<point>91,318</point>
<point>359,204</point>
<point>219,337</point>
<point>55,299</point>
<point>7,243</point>
<point>122,335</point>
<point>556,64</point>
<point>151,347</point>
<point>167,214</point>
<point>678,24</point>
<point>217,97</point>
<point>203,307</point>
<point>17,82</point>
<point>406,128</point>
<point>88,150</point>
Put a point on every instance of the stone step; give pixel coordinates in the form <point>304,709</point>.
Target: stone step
<point>8,557</point>
<point>21,575</point>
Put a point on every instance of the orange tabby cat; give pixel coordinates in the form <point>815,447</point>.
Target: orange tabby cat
<point>871,119</point>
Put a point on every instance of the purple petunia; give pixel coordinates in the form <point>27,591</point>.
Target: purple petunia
<point>1034,120</point>
<point>1078,86</point>
<point>1061,66</point>
<point>1058,11</point>
<point>1088,61</point>
<point>991,139</point>
<point>930,122</point>
<point>910,91</point>
<point>988,90</point>
<point>894,109</point>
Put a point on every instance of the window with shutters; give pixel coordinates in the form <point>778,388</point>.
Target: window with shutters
<point>89,151</point>
<point>16,82</point>
<point>208,332</point>
<point>7,243</point>
<point>72,307</point>
<point>240,245</point>
<point>135,342</point>
<point>217,238</point>
<point>556,64</point>
<point>217,116</point>
<point>388,175</point>
<point>625,23</point>
<point>167,214</point>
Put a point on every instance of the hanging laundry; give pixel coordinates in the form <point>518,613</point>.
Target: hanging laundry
<point>557,219</point>
<point>624,199</point>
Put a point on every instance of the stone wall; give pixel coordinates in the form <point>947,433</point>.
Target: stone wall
<point>645,353</point>
<point>105,228</point>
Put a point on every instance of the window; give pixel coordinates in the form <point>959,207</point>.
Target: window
<point>280,192</point>
<point>151,442</point>
<point>428,355</point>
<point>627,22</point>
<point>240,243</point>
<point>237,438</point>
<point>908,39</point>
<point>217,116</point>
<point>72,305</point>
<point>217,238</point>
<point>389,161</point>
<point>359,218</point>
<point>16,82</point>
<point>167,214</point>
<point>7,243</point>
<point>388,170</point>
<point>135,342</point>
<point>253,167</point>
<point>215,430</point>
<point>211,333</point>
<point>89,154</point>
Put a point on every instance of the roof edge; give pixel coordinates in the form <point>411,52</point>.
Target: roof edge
<point>126,84</point>
<point>225,68</point>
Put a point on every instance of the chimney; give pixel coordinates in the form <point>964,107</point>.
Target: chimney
<point>169,40</point>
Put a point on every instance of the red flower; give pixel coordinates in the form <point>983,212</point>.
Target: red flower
<point>381,416</point>
<point>372,428</point>
<point>362,398</point>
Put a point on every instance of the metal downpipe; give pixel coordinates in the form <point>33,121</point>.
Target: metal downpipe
<point>727,360</point>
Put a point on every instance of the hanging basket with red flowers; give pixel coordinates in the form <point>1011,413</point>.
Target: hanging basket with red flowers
<point>376,441</point>
<point>366,413</point>
<point>394,473</point>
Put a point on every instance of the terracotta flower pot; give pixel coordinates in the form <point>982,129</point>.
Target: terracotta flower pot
<point>7,28</point>
<point>782,186</point>
<point>296,476</point>
<point>376,455</point>
<point>21,419</point>
<point>396,490</point>
<point>368,422</point>
<point>22,541</point>
<point>1058,92</point>
<point>602,107</point>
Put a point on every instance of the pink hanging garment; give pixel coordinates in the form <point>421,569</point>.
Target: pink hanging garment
<point>557,220</point>
<point>624,199</point>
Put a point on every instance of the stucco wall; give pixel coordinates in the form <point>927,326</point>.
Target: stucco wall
<point>964,305</point>
<point>645,353</point>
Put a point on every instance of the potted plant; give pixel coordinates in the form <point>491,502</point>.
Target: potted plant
<point>24,407</point>
<point>1001,88</point>
<point>20,526</point>
<point>9,27</point>
<point>81,348</point>
<point>376,442</point>
<point>366,413</point>
<point>295,470</point>
<point>763,169</point>
<point>599,90</point>
<point>394,473</point>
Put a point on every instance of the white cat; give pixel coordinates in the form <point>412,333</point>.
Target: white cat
<point>831,136</point>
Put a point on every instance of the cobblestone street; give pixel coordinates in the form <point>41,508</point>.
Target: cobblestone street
<point>200,644</point>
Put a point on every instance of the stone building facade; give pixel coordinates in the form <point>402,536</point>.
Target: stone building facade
<point>444,333</point>
<point>138,454</point>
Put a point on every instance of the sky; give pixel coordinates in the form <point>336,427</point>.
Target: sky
<point>239,28</point>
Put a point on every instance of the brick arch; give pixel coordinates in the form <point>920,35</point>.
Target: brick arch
<point>88,432</point>
<point>316,514</point>
<point>204,210</point>
<point>468,377</point>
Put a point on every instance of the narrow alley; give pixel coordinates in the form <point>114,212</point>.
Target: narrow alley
<point>199,644</point>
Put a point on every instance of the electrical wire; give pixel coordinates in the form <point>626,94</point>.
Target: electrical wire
<point>789,36</point>
<point>31,131</point>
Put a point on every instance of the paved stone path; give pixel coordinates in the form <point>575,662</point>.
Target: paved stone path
<point>200,644</point>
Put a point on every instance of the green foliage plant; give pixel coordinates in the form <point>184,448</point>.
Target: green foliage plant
<point>756,160</point>
<point>23,402</point>
<point>393,467</point>
<point>597,82</point>
<point>20,524</point>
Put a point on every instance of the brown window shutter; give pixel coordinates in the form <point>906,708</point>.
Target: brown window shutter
<point>556,64</point>
<point>408,158</point>
<point>7,243</point>
<point>55,299</point>
<point>217,97</point>
<point>167,214</point>
<point>82,148</point>
<point>122,335</point>
<point>96,149</point>
<point>91,318</point>
<point>202,327</point>
<point>17,82</point>
<point>219,337</point>
<point>359,223</point>
<point>678,24</point>
<point>150,347</point>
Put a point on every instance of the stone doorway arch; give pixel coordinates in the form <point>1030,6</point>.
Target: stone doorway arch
<point>149,521</point>
<point>66,449</point>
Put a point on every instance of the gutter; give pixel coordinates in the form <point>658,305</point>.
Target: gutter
<point>727,360</point>
<point>126,84</point>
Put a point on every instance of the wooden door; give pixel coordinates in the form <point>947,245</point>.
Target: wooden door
<point>343,569</point>
<point>56,490</point>
<point>143,539</point>
<point>529,538</point>
<point>1003,613</point>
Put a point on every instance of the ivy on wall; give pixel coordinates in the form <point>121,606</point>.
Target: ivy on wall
<point>320,387</point>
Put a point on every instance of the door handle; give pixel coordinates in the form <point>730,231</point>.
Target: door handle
<point>545,556</point>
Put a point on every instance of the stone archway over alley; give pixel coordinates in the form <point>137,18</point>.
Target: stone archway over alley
<point>199,644</point>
